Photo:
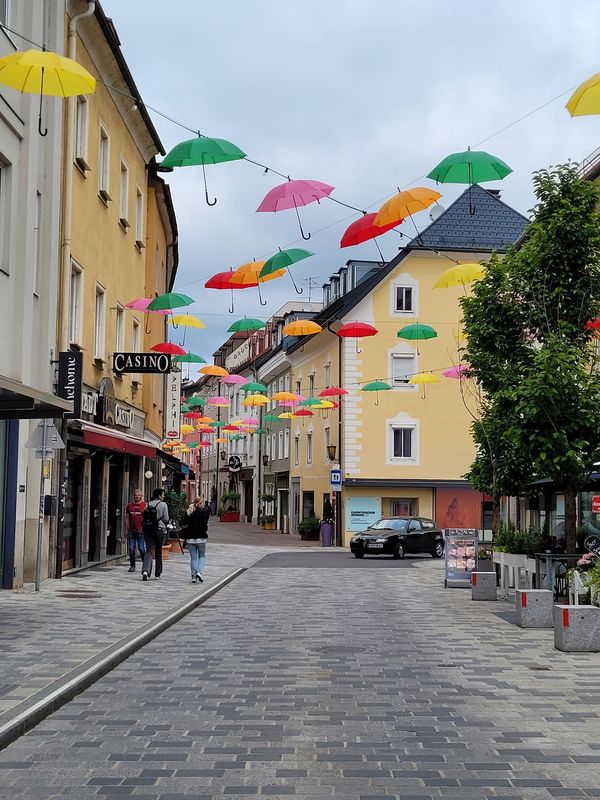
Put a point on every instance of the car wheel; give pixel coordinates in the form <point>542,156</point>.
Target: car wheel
<point>359,555</point>
<point>399,551</point>
<point>438,551</point>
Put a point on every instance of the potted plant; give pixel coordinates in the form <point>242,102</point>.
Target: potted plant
<point>177,504</point>
<point>268,522</point>
<point>229,511</point>
<point>326,526</point>
<point>309,529</point>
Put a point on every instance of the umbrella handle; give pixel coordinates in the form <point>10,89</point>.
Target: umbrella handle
<point>208,203</point>
<point>382,262</point>
<point>147,330</point>
<point>298,291</point>
<point>306,237</point>
<point>40,131</point>
<point>231,308</point>
<point>376,398</point>
<point>260,300</point>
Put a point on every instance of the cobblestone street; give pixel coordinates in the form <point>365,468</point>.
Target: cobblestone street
<point>343,682</point>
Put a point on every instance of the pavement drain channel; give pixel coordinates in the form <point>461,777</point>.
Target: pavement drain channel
<point>340,559</point>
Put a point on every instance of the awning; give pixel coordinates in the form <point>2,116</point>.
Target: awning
<point>98,436</point>
<point>19,401</point>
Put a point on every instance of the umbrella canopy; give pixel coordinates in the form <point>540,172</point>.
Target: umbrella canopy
<point>195,401</point>
<point>253,386</point>
<point>585,99</point>
<point>310,402</point>
<point>285,396</point>
<point>185,428</point>
<point>326,404</point>
<point>205,420</point>
<point>459,371</point>
<point>260,431</point>
<point>231,428</point>
<point>249,421</point>
<point>376,386</point>
<point>423,377</point>
<point>204,443</point>
<point>284,259</point>
<point>187,320</point>
<point>219,401</point>
<point>192,414</point>
<point>234,379</point>
<point>45,73</point>
<point>302,327</point>
<point>189,358</point>
<point>204,428</point>
<point>364,229</point>
<point>459,275</point>
<point>304,412</point>
<point>286,415</point>
<point>294,194</point>
<point>220,280</point>
<point>356,330</point>
<point>217,424</point>
<point>221,440</point>
<point>404,204</point>
<point>142,303</point>
<point>246,324</point>
<point>593,324</point>
<point>288,403</point>
<point>416,332</point>
<point>255,400</point>
<point>169,300</point>
<point>202,150</point>
<point>470,166</point>
<point>169,348</point>
<point>212,369</point>
<point>333,391</point>
<point>270,418</point>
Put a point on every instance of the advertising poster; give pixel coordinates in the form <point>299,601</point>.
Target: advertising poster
<point>361,512</point>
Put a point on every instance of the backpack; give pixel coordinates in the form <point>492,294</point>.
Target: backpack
<point>150,519</point>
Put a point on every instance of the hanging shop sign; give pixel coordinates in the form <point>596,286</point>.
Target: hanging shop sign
<point>173,409</point>
<point>89,403</point>
<point>592,544</point>
<point>70,379</point>
<point>596,504</point>
<point>125,363</point>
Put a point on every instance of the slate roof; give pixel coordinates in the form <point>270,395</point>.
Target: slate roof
<point>493,226</point>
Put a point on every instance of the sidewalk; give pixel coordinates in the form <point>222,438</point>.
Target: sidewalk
<point>72,624</point>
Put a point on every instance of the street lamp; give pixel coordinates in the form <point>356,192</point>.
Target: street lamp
<point>265,459</point>
<point>331,452</point>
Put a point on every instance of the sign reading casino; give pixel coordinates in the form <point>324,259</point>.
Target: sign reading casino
<point>141,362</point>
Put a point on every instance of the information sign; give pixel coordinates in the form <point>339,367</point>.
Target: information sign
<point>461,556</point>
<point>362,512</point>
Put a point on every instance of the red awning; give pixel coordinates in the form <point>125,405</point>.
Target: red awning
<point>117,441</point>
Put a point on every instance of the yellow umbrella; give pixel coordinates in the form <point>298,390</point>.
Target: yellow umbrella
<point>46,73</point>
<point>248,274</point>
<point>586,98</point>
<point>185,449</point>
<point>212,369</point>
<point>404,204</point>
<point>284,396</point>
<point>423,378</point>
<point>460,275</point>
<point>286,415</point>
<point>256,400</point>
<point>324,404</point>
<point>222,440</point>
<point>185,428</point>
<point>188,321</point>
<point>302,327</point>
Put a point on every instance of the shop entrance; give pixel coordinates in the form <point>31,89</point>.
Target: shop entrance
<point>72,511</point>
<point>248,500</point>
<point>115,499</point>
<point>95,544</point>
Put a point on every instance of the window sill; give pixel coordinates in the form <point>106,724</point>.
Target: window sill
<point>99,362</point>
<point>104,196</point>
<point>76,347</point>
<point>139,245</point>
<point>124,224</point>
<point>82,166</point>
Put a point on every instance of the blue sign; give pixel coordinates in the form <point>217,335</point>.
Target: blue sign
<point>335,480</point>
<point>361,512</point>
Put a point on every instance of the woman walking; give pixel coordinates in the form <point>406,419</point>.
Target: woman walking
<point>195,534</point>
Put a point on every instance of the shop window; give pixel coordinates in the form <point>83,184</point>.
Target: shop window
<point>403,507</point>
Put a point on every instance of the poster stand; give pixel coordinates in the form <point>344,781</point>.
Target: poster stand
<point>461,556</point>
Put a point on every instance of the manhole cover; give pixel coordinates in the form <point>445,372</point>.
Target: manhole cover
<point>84,594</point>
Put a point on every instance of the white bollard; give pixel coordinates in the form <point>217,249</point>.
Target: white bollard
<point>483,586</point>
<point>534,608</point>
<point>577,629</point>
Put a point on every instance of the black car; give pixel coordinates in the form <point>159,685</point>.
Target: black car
<point>396,536</point>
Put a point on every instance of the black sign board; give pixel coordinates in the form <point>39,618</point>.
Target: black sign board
<point>592,543</point>
<point>70,377</point>
<point>141,362</point>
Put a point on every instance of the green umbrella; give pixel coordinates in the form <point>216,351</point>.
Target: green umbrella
<point>270,418</point>
<point>184,408</point>
<point>261,431</point>
<point>284,259</point>
<point>217,424</point>
<point>169,300</point>
<point>472,166</point>
<point>246,324</point>
<point>236,437</point>
<point>416,332</point>
<point>201,151</point>
<point>188,358</point>
<point>376,386</point>
<point>192,444</point>
<point>195,401</point>
<point>310,401</point>
<point>253,387</point>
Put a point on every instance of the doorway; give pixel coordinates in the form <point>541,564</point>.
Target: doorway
<point>248,500</point>
<point>95,543</point>
<point>72,512</point>
<point>115,500</point>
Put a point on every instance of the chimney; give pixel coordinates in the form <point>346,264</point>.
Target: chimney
<point>494,192</point>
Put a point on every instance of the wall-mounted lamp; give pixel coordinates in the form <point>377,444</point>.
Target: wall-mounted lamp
<point>265,460</point>
<point>331,448</point>
<point>148,474</point>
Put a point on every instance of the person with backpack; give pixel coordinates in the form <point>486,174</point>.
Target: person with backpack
<point>135,536</point>
<point>195,533</point>
<point>154,524</point>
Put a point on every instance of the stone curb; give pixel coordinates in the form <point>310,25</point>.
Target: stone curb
<point>31,712</point>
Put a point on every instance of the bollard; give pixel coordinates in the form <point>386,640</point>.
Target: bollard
<point>577,629</point>
<point>483,586</point>
<point>534,608</point>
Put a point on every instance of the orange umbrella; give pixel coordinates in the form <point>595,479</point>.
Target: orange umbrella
<point>212,369</point>
<point>302,327</point>
<point>405,204</point>
<point>248,275</point>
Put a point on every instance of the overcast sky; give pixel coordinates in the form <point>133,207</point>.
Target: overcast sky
<point>363,96</point>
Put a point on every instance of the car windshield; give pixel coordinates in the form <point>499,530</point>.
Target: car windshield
<point>389,525</point>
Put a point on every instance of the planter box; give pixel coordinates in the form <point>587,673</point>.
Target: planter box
<point>166,549</point>
<point>577,629</point>
<point>269,526</point>
<point>230,516</point>
<point>483,586</point>
<point>310,537</point>
<point>326,534</point>
<point>534,608</point>
<point>485,565</point>
<point>174,545</point>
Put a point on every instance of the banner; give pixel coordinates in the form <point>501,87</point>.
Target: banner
<point>70,380</point>
<point>173,406</point>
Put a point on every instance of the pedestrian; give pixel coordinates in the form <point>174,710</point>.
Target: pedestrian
<point>154,524</point>
<point>135,537</point>
<point>195,533</point>
<point>208,509</point>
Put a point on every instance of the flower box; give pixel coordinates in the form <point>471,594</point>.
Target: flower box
<point>230,516</point>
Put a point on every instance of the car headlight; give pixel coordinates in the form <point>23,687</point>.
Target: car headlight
<point>381,540</point>
<point>355,539</point>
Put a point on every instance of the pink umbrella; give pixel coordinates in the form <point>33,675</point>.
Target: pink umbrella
<point>231,379</point>
<point>142,303</point>
<point>294,194</point>
<point>249,421</point>
<point>218,401</point>
<point>289,403</point>
<point>456,372</point>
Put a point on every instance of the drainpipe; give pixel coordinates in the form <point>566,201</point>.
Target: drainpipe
<point>338,505</point>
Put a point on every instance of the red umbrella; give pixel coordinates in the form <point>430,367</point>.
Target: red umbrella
<point>363,229</point>
<point>222,280</point>
<point>303,412</point>
<point>593,324</point>
<point>169,348</point>
<point>356,330</point>
<point>333,391</point>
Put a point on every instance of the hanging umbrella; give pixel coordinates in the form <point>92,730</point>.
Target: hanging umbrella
<point>333,391</point>
<point>283,260</point>
<point>205,428</point>
<point>304,412</point>
<point>356,330</point>
<point>192,445</point>
<point>585,100</point>
<point>326,404</point>
<point>294,194</point>
<point>201,151</point>
<point>416,333</point>
<point>205,420</point>
<point>170,300</point>
<point>45,73</point>
<point>204,443</point>
<point>422,379</point>
<point>231,428</point>
<point>310,401</point>
<point>187,320</point>
<point>364,229</point>
<point>188,358</point>
<point>247,275</point>
<point>212,369</point>
<point>459,371</point>
<point>256,400</point>
<point>405,204</point>
<point>142,303</point>
<point>217,424</point>
<point>234,379</point>
<point>246,324</point>
<point>249,421</point>
<point>183,408</point>
<point>290,396</point>
<point>593,324</point>
<point>196,415</point>
<point>221,402</point>
<point>302,327</point>
<point>288,403</point>
<point>169,348</point>
<point>185,428</point>
<point>196,401</point>
<point>253,386</point>
<point>460,275</point>
<point>471,166</point>
<point>286,415</point>
<point>221,440</point>
<point>376,386</point>
<point>260,431</point>
<point>222,280</point>
<point>270,418</point>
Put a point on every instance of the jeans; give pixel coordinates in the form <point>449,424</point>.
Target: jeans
<point>135,539</point>
<point>197,557</point>
<point>153,543</point>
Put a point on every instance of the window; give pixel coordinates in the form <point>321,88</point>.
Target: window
<point>403,508</point>
<point>81,133</point>
<point>286,443</point>
<point>311,385</point>
<point>287,383</point>
<point>296,450</point>
<point>280,444</point>
<point>135,346</point>
<point>298,385</point>
<point>327,442</point>
<point>327,375</point>
<point>100,313</point>
<point>402,443</point>
<point>119,328</point>
<point>5,12</point>
<point>281,384</point>
<point>4,211</point>
<point>139,217</point>
<point>75,303</point>
<point>104,165</point>
<point>37,228</point>
<point>124,195</point>
<point>309,448</point>
<point>404,299</point>
<point>403,366</point>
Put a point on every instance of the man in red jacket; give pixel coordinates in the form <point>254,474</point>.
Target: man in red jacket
<point>135,537</point>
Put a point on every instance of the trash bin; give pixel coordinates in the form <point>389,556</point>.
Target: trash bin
<point>285,523</point>
<point>327,534</point>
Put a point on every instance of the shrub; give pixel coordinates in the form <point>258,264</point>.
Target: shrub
<point>310,525</point>
<point>511,539</point>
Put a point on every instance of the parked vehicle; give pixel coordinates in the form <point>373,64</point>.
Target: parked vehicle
<point>397,536</point>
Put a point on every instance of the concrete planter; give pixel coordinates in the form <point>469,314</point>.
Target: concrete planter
<point>534,608</point>
<point>230,516</point>
<point>483,586</point>
<point>577,629</point>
